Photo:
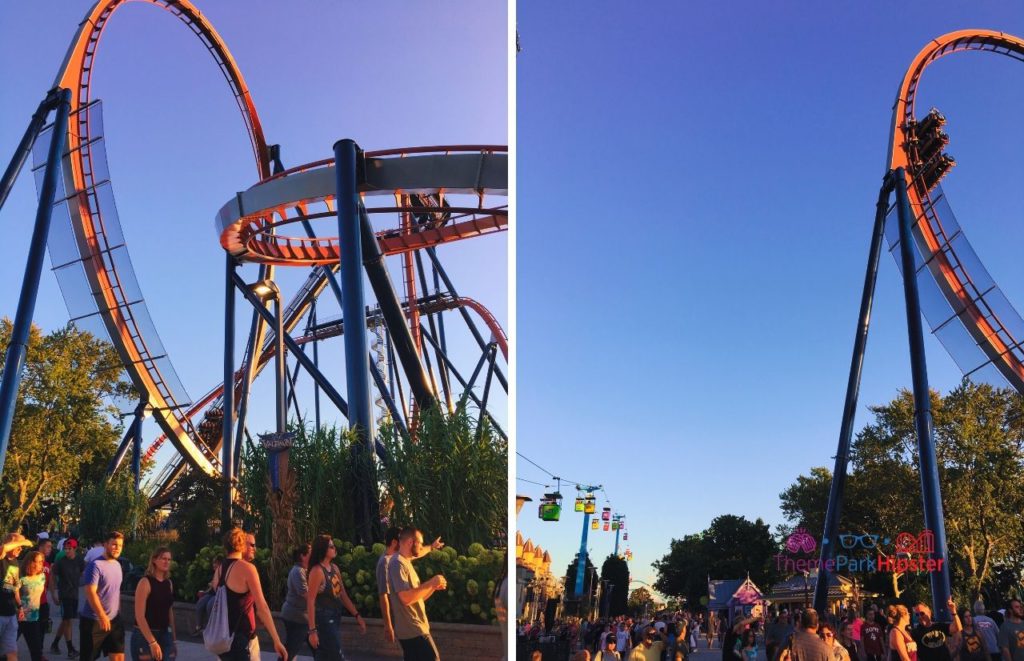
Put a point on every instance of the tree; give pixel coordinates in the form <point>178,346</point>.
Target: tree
<point>979,446</point>
<point>63,434</point>
<point>615,577</point>
<point>640,599</point>
<point>731,547</point>
<point>589,590</point>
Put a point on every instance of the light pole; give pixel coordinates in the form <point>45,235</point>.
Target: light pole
<point>807,599</point>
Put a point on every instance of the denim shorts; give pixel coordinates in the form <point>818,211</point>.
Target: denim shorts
<point>8,634</point>
<point>140,649</point>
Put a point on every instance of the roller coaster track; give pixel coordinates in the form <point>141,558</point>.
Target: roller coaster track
<point>249,231</point>
<point>973,298</point>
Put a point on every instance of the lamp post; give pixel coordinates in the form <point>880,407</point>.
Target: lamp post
<point>807,599</point>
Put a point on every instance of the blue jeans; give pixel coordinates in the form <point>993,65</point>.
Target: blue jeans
<point>328,629</point>
<point>141,650</point>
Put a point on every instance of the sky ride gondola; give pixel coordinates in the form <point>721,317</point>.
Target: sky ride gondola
<point>550,508</point>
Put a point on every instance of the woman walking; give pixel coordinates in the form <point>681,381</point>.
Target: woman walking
<point>154,636</point>
<point>293,611</point>
<point>828,634</point>
<point>902,647</point>
<point>245,599</point>
<point>31,586</point>
<point>325,595</point>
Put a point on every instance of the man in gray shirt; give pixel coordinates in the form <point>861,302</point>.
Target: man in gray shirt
<point>391,541</point>
<point>408,608</point>
<point>805,644</point>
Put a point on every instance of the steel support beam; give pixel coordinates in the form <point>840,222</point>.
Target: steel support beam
<point>228,406</point>
<point>432,254</point>
<point>136,431</point>
<point>21,154</point>
<point>860,342</point>
<point>357,367</point>
<point>463,383</point>
<point>394,318</point>
<point>931,492</point>
<point>15,359</point>
<point>268,317</point>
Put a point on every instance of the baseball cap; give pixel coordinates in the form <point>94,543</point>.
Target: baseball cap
<point>71,543</point>
<point>43,535</point>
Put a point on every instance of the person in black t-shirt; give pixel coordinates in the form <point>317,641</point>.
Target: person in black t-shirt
<point>932,637</point>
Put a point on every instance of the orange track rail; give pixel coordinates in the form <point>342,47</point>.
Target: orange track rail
<point>985,331</point>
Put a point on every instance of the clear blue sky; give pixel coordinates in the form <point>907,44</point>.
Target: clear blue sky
<point>387,74</point>
<point>697,185</point>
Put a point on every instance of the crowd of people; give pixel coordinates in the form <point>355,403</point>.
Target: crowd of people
<point>876,633</point>
<point>666,636</point>
<point>897,633</point>
<point>316,599</point>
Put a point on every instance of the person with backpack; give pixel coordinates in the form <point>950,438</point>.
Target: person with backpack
<point>231,630</point>
<point>325,596</point>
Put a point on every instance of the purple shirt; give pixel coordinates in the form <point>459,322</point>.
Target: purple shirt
<point>106,576</point>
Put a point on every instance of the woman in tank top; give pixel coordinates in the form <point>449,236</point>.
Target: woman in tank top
<point>245,599</point>
<point>325,597</point>
<point>902,647</point>
<point>154,636</point>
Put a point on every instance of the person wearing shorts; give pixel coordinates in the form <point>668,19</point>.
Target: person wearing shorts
<point>100,627</point>
<point>10,601</point>
<point>66,574</point>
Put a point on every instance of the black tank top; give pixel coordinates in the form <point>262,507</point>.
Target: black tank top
<point>158,604</point>
<point>329,595</point>
<point>241,606</point>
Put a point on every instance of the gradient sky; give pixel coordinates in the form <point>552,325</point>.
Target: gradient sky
<point>387,74</point>
<point>697,185</point>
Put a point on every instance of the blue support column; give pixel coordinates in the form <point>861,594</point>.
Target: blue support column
<point>357,356</point>
<point>931,492</point>
<point>140,415</point>
<point>581,563</point>
<point>835,498</point>
<point>227,432</point>
<point>15,360</point>
<point>357,368</point>
<point>21,154</point>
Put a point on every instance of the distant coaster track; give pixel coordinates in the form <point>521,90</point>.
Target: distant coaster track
<point>973,298</point>
<point>418,179</point>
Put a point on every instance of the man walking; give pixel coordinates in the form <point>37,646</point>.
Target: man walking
<point>987,629</point>
<point>391,541</point>
<point>1011,632</point>
<point>409,608</point>
<point>66,574</point>
<point>805,645</point>
<point>100,626</point>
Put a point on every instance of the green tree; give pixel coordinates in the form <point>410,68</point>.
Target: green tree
<point>731,547</point>
<point>640,599</point>
<point>114,505</point>
<point>615,576</point>
<point>589,591</point>
<point>64,431</point>
<point>979,445</point>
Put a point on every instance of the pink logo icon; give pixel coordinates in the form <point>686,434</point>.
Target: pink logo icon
<point>923,543</point>
<point>799,541</point>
